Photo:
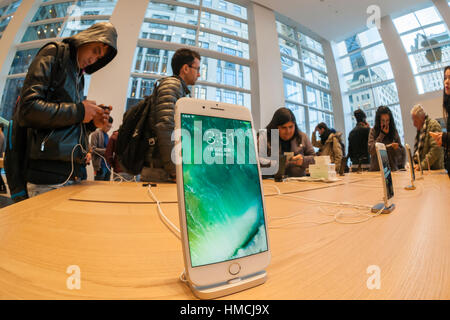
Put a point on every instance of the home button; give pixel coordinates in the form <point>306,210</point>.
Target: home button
<point>234,269</point>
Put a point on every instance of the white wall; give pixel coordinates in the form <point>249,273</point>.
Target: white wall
<point>268,76</point>
<point>110,84</point>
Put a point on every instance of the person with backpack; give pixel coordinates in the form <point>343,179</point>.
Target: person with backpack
<point>330,144</point>
<point>99,141</point>
<point>52,120</point>
<point>157,162</point>
<point>358,139</point>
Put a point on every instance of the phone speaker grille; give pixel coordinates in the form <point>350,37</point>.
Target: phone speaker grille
<point>220,109</point>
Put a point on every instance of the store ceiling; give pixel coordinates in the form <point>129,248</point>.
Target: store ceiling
<point>335,20</point>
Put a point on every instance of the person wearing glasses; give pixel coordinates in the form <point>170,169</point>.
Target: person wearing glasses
<point>158,165</point>
<point>385,131</point>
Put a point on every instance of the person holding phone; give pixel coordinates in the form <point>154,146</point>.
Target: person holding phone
<point>293,143</point>
<point>55,113</point>
<point>329,144</point>
<point>443,138</point>
<point>385,131</point>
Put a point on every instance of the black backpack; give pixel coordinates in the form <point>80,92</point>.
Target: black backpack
<point>135,136</point>
<point>15,161</point>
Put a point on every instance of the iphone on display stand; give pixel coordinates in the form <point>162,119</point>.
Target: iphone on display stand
<point>220,197</point>
<point>411,169</point>
<point>386,177</point>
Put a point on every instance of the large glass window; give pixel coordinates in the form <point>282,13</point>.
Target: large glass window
<point>306,84</point>
<point>54,19</point>
<point>426,41</point>
<point>225,66</point>
<point>7,10</point>
<point>368,81</point>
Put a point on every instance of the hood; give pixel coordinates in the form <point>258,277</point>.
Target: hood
<point>338,135</point>
<point>103,32</point>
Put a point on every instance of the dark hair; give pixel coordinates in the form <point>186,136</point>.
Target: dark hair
<point>181,57</point>
<point>280,117</point>
<point>377,127</point>
<point>360,115</point>
<point>324,136</point>
<point>446,104</point>
<point>110,120</point>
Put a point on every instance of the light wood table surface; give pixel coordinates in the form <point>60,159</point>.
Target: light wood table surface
<point>113,233</point>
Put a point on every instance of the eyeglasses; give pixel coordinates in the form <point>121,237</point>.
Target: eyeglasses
<point>196,68</point>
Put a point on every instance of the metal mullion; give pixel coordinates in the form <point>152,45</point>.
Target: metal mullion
<point>428,71</point>
<point>177,4</point>
<point>63,24</point>
<point>282,36</point>
<point>47,21</point>
<point>62,19</point>
<point>365,67</point>
<point>306,82</point>
<point>170,23</point>
<point>312,51</point>
<point>360,49</point>
<point>222,34</point>
<point>35,43</point>
<point>421,28</point>
<point>172,46</point>
<point>440,44</point>
<point>45,4</point>
<point>315,68</point>
<point>226,15</point>
<point>222,86</point>
<point>302,104</point>
<point>299,50</point>
<point>16,76</point>
<point>369,86</point>
<point>290,57</point>
<point>197,30</point>
<point>322,110</point>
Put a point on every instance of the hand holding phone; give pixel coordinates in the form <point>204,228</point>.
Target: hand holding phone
<point>298,160</point>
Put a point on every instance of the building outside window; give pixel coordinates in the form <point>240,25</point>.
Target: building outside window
<point>306,85</point>
<point>426,41</point>
<point>367,78</point>
<point>7,10</point>
<point>218,26</point>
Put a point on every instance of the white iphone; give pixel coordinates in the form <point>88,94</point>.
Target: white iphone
<point>220,195</point>
<point>386,177</point>
<point>411,163</point>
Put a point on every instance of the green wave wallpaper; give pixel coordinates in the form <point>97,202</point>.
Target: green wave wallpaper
<point>224,210</point>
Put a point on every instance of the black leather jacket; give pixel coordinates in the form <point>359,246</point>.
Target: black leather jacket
<point>53,110</point>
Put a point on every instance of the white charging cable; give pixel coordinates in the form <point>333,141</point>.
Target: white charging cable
<point>163,217</point>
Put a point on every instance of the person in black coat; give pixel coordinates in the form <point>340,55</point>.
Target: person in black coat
<point>358,139</point>
<point>443,138</point>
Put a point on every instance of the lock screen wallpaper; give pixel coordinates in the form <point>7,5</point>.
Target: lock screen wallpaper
<point>223,201</point>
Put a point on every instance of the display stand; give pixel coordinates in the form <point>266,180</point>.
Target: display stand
<point>229,287</point>
<point>376,208</point>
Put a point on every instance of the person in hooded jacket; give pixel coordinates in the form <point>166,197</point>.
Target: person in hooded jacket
<point>330,144</point>
<point>58,118</point>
